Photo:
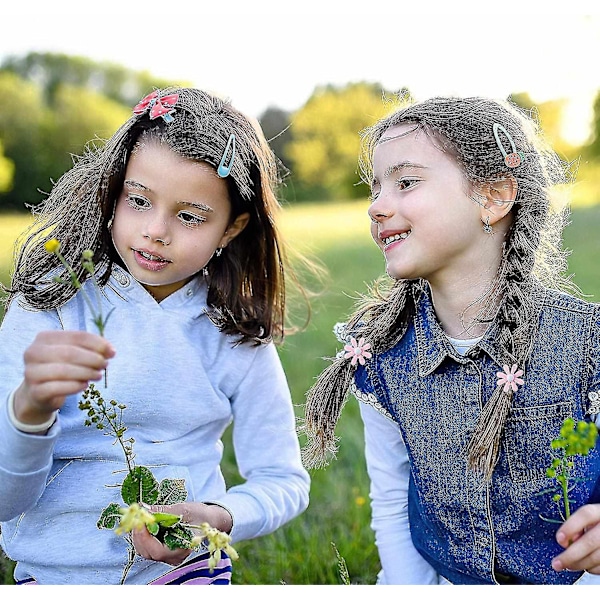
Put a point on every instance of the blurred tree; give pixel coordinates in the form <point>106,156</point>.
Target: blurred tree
<point>7,171</point>
<point>592,150</point>
<point>51,70</point>
<point>325,140</point>
<point>550,115</point>
<point>53,104</point>
<point>22,127</point>
<point>80,116</point>
<point>275,123</point>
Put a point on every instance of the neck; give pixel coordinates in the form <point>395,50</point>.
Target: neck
<point>466,308</point>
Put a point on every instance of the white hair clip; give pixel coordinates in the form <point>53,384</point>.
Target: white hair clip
<point>511,159</point>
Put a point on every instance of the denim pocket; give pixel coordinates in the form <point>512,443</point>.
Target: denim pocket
<point>528,435</point>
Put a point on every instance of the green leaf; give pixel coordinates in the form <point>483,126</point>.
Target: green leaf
<point>179,536</point>
<point>153,528</point>
<point>172,491</point>
<point>166,519</point>
<point>140,485</point>
<point>110,517</point>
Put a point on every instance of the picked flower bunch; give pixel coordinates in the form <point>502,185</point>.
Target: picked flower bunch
<point>575,439</point>
<point>139,488</point>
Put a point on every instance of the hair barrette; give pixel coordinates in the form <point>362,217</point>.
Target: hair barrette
<point>225,165</point>
<point>511,159</point>
<point>156,106</point>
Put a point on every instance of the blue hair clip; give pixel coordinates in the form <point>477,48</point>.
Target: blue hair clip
<point>225,166</point>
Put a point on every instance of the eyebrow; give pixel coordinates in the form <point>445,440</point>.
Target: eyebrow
<point>137,185</point>
<point>402,165</point>
<point>140,186</point>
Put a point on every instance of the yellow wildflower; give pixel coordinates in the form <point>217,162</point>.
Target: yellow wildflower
<point>134,517</point>
<point>52,246</point>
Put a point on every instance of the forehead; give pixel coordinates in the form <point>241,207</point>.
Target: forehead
<point>407,143</point>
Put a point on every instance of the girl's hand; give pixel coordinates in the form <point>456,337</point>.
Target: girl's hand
<point>580,535</point>
<point>194,513</point>
<point>57,364</point>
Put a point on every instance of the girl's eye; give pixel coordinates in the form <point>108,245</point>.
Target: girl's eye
<point>138,202</point>
<point>190,219</point>
<point>404,183</point>
<point>375,190</point>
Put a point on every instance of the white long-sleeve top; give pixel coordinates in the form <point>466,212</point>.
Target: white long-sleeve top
<point>389,471</point>
<point>183,383</point>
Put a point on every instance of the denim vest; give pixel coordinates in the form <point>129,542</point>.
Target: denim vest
<point>466,529</point>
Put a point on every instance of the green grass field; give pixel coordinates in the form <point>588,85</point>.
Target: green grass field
<point>337,235</point>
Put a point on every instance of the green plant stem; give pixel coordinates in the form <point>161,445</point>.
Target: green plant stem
<point>565,490</point>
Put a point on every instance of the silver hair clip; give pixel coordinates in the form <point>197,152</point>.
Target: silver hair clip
<point>511,159</point>
<point>225,166</point>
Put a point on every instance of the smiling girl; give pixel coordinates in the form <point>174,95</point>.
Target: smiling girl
<point>468,362</point>
<point>179,210</point>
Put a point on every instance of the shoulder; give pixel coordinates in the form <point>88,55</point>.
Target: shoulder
<point>560,301</point>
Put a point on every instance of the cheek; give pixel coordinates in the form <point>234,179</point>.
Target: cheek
<point>374,233</point>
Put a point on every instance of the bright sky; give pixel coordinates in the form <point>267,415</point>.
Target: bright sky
<point>259,53</point>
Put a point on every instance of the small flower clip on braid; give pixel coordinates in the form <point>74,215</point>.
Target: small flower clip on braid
<point>510,378</point>
<point>156,106</point>
<point>511,159</point>
<point>357,351</point>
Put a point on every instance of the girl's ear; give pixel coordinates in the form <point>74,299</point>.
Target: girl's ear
<point>234,229</point>
<point>498,198</point>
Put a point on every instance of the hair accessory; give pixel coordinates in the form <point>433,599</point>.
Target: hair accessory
<point>357,351</point>
<point>225,166</point>
<point>514,158</point>
<point>158,107</point>
<point>510,378</point>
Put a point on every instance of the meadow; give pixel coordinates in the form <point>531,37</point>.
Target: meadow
<point>336,524</point>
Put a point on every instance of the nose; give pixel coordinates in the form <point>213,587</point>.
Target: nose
<point>379,210</point>
<point>157,230</point>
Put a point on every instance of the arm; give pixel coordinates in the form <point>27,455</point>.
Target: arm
<point>389,470</point>
<point>41,364</point>
<point>268,457</point>
<point>267,451</point>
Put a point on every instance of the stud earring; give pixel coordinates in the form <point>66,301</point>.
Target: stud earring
<point>487,227</point>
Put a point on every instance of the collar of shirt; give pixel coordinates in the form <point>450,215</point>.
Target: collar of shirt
<point>190,299</point>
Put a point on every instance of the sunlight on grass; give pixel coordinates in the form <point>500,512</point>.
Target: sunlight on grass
<point>314,226</point>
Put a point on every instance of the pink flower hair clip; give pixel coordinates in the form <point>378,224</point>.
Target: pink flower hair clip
<point>510,378</point>
<point>156,106</point>
<point>357,351</point>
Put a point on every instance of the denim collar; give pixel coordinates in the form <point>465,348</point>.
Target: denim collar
<point>432,344</point>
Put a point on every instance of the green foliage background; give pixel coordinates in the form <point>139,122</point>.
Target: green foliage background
<point>336,234</point>
<point>53,104</point>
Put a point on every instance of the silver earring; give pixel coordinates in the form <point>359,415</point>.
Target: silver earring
<point>218,252</point>
<point>487,227</point>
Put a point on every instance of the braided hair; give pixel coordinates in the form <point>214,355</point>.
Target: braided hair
<point>532,255</point>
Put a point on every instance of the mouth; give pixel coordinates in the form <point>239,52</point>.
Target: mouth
<point>390,239</point>
<point>149,256</point>
<point>147,260</point>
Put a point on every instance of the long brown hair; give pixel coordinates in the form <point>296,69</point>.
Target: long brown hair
<point>246,283</point>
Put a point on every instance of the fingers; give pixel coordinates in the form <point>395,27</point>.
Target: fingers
<point>57,364</point>
<point>149,547</point>
<point>580,535</point>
